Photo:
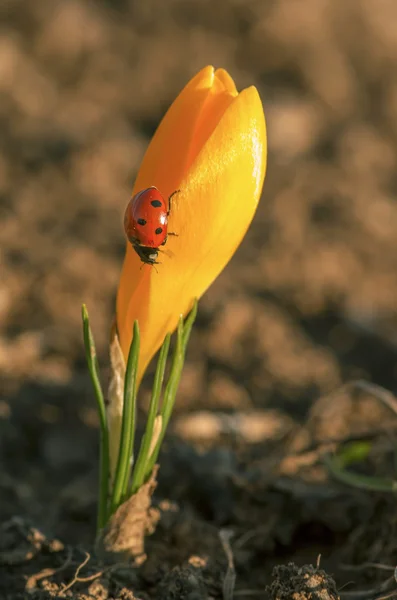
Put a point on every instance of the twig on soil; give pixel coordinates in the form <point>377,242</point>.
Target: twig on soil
<point>372,594</point>
<point>253,533</point>
<point>379,392</point>
<point>388,597</point>
<point>250,593</point>
<point>225,536</point>
<point>76,575</point>
<point>367,565</point>
<point>315,450</point>
<point>88,578</point>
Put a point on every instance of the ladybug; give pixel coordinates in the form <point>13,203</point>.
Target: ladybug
<point>146,223</point>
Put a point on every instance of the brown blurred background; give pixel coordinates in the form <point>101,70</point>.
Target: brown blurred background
<point>308,301</point>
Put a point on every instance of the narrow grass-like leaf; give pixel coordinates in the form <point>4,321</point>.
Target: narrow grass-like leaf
<point>395,458</point>
<point>183,333</point>
<point>93,368</point>
<point>355,452</point>
<point>173,381</point>
<point>124,462</point>
<point>157,429</point>
<point>146,443</point>
<point>363,482</point>
<point>187,327</point>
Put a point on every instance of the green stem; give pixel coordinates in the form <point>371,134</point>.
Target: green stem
<point>93,368</point>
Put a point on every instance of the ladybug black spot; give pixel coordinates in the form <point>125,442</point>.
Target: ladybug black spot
<point>156,203</point>
<point>158,230</point>
<point>141,221</point>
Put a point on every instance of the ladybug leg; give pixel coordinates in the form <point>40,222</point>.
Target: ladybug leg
<point>169,210</point>
<point>169,233</point>
<point>150,265</point>
<point>170,201</point>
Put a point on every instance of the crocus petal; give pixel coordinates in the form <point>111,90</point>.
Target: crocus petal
<point>220,187</point>
<point>192,117</point>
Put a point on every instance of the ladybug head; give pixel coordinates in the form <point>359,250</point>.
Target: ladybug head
<point>147,255</point>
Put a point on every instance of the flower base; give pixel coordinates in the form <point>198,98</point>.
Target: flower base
<point>123,538</point>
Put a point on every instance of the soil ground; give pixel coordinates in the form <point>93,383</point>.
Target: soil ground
<point>307,304</point>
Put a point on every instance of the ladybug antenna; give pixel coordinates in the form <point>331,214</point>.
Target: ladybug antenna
<point>150,265</point>
<point>170,199</point>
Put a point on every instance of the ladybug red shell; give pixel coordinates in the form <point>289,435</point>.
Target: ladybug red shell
<point>146,223</point>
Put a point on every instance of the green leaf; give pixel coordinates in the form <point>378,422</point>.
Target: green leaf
<point>93,368</point>
<point>146,443</point>
<point>183,334</point>
<point>187,328</point>
<point>355,452</point>
<point>363,482</point>
<point>125,458</point>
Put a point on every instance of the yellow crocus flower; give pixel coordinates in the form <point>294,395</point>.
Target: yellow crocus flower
<point>211,145</point>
